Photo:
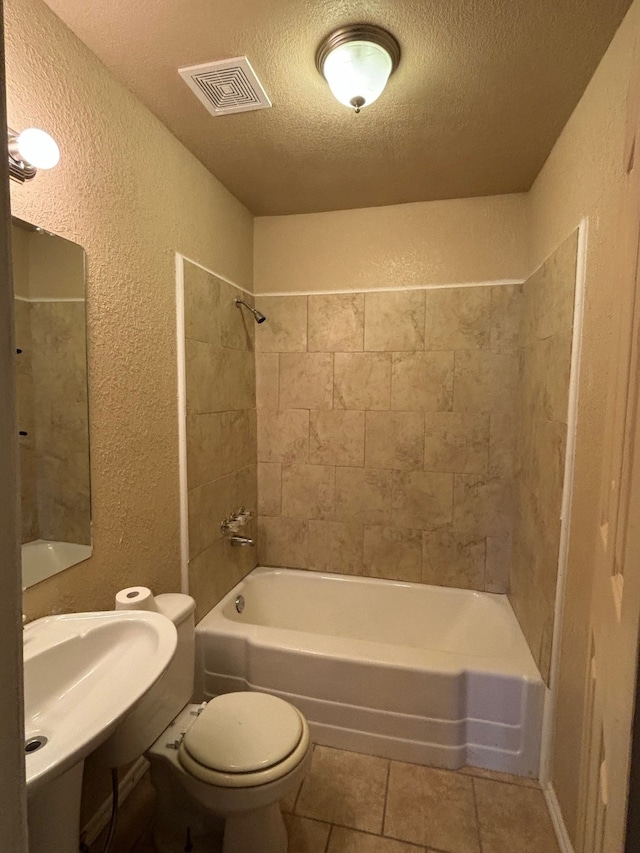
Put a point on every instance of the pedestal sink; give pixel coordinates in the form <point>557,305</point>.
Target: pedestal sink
<point>83,672</point>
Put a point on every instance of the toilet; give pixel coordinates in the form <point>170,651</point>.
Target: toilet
<point>219,768</point>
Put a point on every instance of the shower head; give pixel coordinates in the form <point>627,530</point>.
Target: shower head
<point>259,318</point>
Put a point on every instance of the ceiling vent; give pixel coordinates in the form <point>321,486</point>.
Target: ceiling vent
<point>227,86</point>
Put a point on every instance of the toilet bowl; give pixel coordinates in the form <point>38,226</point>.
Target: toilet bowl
<point>235,758</point>
<point>220,769</point>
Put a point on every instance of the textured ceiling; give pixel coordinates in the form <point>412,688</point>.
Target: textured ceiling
<point>483,89</point>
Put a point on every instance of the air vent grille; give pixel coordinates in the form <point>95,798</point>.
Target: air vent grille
<point>227,86</point>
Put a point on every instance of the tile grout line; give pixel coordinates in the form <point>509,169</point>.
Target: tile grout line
<point>386,794</point>
<point>475,807</point>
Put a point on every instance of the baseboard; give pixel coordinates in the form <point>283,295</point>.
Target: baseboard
<point>94,826</point>
<point>556,818</point>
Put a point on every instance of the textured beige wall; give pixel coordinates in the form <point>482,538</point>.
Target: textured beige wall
<point>385,433</point>
<point>407,245</point>
<point>127,191</point>
<point>585,176</point>
<point>221,432</point>
<point>543,396</point>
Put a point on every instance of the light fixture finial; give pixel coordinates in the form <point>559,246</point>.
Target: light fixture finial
<point>356,61</point>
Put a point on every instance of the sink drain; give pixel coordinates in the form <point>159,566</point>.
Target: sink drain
<point>34,743</point>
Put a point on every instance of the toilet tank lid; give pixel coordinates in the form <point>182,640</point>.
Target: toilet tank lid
<point>175,606</point>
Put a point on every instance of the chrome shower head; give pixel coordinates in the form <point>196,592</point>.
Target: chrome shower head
<point>259,318</point>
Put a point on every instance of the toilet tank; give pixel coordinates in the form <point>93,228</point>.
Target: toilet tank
<point>168,696</point>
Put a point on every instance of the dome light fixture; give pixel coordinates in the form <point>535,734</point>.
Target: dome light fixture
<point>29,151</point>
<point>356,61</point>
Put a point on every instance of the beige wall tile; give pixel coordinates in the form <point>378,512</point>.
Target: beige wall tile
<point>218,379</point>
<point>237,325</point>
<point>394,553</point>
<point>432,807</point>
<point>362,381</point>
<point>285,329</point>
<point>506,309</point>
<point>510,815</point>
<point>450,559</point>
<point>336,323</point>
<point>306,380</point>
<point>237,447</point>
<point>215,571</point>
<point>283,436</point>
<point>308,491</point>
<point>209,504</point>
<point>422,381</point>
<point>394,440</point>
<point>552,288</point>
<point>394,321</point>
<point>422,500</point>
<point>336,437</point>
<point>364,494</point>
<point>269,488</point>
<point>498,564</point>
<point>458,318</point>
<point>283,542</point>
<point>485,381</point>
<point>335,546</point>
<point>456,442</point>
<point>345,788</point>
<point>201,305</point>
<point>482,505</point>
<point>204,462</point>
<point>502,439</point>
<point>267,380</point>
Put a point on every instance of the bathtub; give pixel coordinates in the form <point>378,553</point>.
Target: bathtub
<point>416,673</point>
<point>42,558</point>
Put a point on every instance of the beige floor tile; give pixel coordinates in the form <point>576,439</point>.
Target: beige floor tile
<point>306,836</point>
<point>513,818</point>
<point>288,803</point>
<point>431,807</point>
<point>349,841</point>
<point>480,773</point>
<point>345,788</point>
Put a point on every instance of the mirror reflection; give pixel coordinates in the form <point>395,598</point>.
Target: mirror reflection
<point>51,380</point>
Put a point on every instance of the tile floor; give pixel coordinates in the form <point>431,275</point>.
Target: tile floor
<point>351,803</point>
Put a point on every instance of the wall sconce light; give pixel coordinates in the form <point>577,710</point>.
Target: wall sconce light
<point>29,151</point>
<point>356,62</point>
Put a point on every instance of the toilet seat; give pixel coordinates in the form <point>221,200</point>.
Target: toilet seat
<point>241,740</point>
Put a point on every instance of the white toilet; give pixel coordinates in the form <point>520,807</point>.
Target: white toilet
<point>233,758</point>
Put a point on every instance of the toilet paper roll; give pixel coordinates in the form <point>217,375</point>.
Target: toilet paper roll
<point>136,598</point>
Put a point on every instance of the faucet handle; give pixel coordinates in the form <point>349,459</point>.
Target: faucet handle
<point>243,515</point>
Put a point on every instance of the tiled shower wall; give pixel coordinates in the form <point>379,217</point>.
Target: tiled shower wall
<point>221,432</point>
<point>386,433</point>
<point>545,364</point>
<point>26,422</point>
<point>52,410</point>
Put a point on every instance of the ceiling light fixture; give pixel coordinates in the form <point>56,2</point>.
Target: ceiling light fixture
<point>356,61</point>
<point>29,151</point>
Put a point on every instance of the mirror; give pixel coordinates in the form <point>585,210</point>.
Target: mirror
<point>52,406</point>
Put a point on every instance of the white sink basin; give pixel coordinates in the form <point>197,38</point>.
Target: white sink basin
<point>83,672</point>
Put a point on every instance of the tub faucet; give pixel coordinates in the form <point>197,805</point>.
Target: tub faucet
<point>242,541</point>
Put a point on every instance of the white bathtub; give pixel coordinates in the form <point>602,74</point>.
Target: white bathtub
<point>416,673</point>
<point>43,558</point>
